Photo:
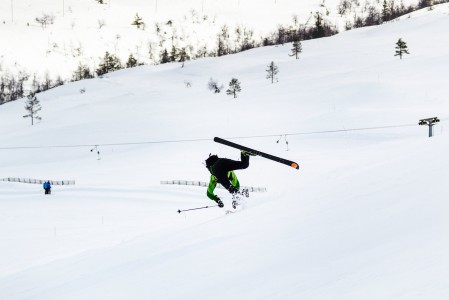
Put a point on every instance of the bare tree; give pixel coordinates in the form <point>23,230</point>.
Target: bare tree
<point>101,23</point>
<point>45,19</point>
<point>214,86</point>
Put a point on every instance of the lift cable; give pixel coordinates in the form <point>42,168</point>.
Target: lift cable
<point>209,139</point>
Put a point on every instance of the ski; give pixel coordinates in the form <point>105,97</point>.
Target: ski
<point>257,152</point>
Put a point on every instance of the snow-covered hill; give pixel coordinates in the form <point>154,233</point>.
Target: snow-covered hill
<point>365,217</point>
<point>81,31</point>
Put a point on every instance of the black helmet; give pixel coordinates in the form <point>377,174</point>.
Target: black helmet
<point>210,161</point>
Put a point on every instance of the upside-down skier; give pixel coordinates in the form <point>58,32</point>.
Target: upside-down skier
<point>222,171</point>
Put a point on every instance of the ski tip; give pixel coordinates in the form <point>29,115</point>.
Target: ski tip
<point>179,211</point>
<point>295,165</point>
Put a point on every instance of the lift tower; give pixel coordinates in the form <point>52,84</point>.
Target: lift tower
<point>430,122</point>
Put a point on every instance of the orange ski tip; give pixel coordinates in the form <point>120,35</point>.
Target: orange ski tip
<point>294,165</point>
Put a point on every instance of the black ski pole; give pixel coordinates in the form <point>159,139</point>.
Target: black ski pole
<point>180,211</point>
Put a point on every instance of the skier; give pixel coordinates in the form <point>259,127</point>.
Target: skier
<point>47,187</point>
<point>222,171</point>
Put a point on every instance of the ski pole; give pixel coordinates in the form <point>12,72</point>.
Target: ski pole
<point>180,211</point>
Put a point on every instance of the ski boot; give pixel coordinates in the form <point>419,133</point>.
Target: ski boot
<point>235,204</point>
<point>219,202</point>
<point>235,200</point>
<point>244,193</point>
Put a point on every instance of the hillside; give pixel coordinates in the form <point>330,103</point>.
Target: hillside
<point>80,32</point>
<point>364,217</point>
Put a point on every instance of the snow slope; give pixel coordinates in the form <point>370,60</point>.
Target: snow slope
<point>365,217</point>
<point>76,35</point>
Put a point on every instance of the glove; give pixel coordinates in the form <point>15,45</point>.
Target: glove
<point>233,190</point>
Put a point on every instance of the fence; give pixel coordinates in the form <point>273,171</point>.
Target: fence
<point>38,181</point>
<point>205,184</point>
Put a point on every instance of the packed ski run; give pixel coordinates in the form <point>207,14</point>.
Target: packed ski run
<point>364,217</point>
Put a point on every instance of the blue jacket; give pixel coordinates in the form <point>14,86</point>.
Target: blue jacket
<point>47,185</point>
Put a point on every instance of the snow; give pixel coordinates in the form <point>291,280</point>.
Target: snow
<point>365,217</point>
<point>75,37</point>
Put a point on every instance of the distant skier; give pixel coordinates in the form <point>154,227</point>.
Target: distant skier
<point>47,187</point>
<point>222,171</point>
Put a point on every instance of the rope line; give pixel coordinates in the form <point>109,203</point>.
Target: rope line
<point>103,145</point>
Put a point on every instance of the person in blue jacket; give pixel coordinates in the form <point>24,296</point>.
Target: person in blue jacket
<point>47,187</point>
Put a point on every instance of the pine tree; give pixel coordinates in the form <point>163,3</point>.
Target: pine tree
<point>272,71</point>
<point>132,62</point>
<point>137,21</point>
<point>319,26</point>
<point>401,48</point>
<point>110,63</point>
<point>48,83</point>
<point>33,107</point>
<point>173,54</point>
<point>234,87</point>
<point>183,56</point>
<point>2,90</point>
<point>426,3</point>
<point>58,82</point>
<point>223,41</point>
<point>17,90</point>
<point>164,57</point>
<point>220,47</point>
<point>386,13</point>
<point>297,47</point>
<point>82,72</point>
